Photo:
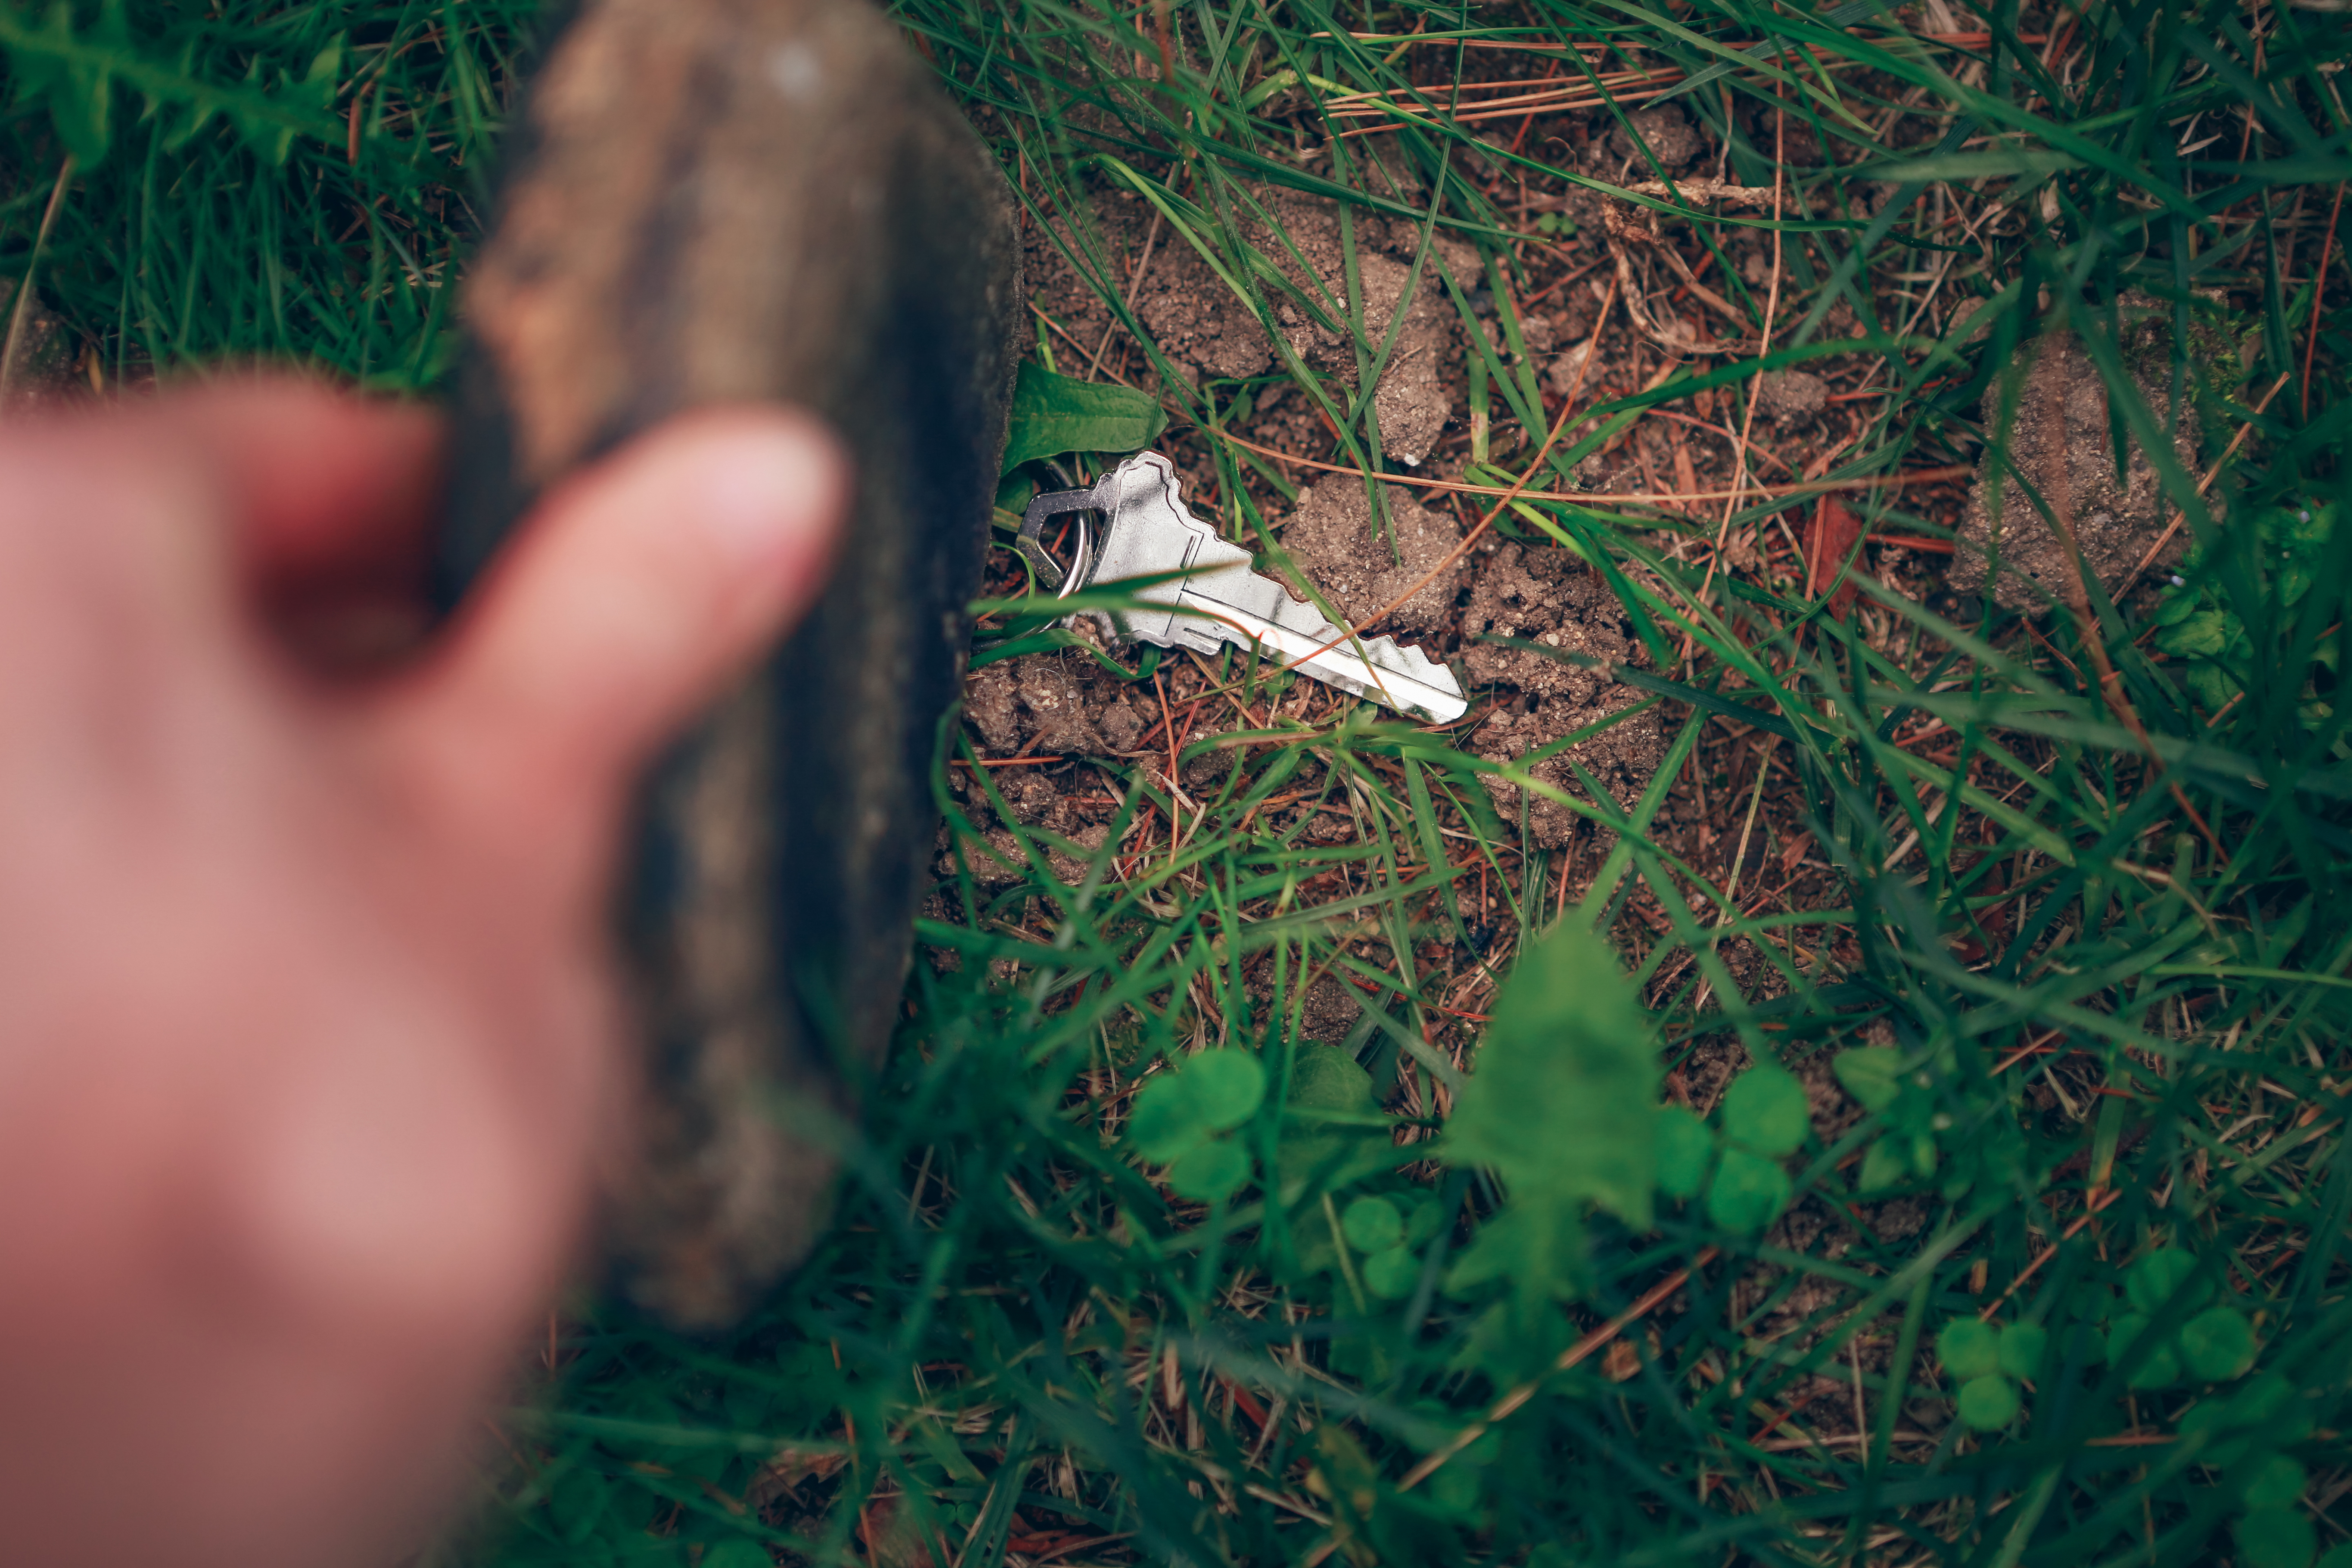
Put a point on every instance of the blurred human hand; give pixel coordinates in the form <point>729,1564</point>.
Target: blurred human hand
<point>306,1027</point>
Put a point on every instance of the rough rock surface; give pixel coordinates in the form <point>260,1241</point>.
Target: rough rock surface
<point>1337,545</point>
<point>1545,595</point>
<point>2060,442</point>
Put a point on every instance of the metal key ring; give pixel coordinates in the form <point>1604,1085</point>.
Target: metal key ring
<point>1082,563</point>
<point>1031,543</point>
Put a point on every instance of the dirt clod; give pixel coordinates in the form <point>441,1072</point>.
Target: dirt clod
<point>1546,596</point>
<point>2060,442</point>
<point>1058,703</point>
<point>1337,545</point>
<point>1570,372</point>
<point>1207,331</point>
<point>1666,131</point>
<point>1786,397</point>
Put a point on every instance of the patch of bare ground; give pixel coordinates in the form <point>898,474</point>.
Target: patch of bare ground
<point>1612,306</point>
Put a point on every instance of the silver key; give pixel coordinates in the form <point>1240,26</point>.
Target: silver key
<point>1146,530</point>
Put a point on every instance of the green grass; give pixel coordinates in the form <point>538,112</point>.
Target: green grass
<point>1017,1342</point>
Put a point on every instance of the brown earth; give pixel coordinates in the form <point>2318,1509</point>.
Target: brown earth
<point>1580,340</point>
<point>1361,565</point>
<point>1544,595</point>
<point>1207,331</point>
<point>2062,441</point>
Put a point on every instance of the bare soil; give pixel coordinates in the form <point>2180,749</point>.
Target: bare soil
<point>2063,443</point>
<point>1605,311</point>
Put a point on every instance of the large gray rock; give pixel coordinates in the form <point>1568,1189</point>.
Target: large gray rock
<point>713,200</point>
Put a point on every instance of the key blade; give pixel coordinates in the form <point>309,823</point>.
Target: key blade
<point>1225,600</point>
<point>1404,679</point>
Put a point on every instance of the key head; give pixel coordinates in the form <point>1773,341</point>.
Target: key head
<point>1031,543</point>
<point>1149,531</point>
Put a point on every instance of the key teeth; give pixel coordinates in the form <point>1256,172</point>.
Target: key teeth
<point>1410,655</point>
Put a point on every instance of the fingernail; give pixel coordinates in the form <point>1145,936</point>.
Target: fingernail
<point>766,489</point>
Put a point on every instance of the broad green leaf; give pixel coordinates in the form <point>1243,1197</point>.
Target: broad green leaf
<point>1166,1124</point>
<point>1968,1348</point>
<point>2217,1344</point>
<point>2275,1538</point>
<point>2206,632</point>
<point>1685,1147</point>
<point>81,107</point>
<point>2021,1345</point>
<point>1748,1191</point>
<point>1924,1154</point>
<point>1211,1172</point>
<point>1870,1074</point>
<point>1210,1093</point>
<point>1562,1100</point>
<point>1884,1166</point>
<point>1987,1403</point>
<point>1323,1078</point>
<point>1372,1224</point>
<point>1227,1088</point>
<point>1537,1248</point>
<point>2151,1282</point>
<point>1765,1109</point>
<point>2277,1482</point>
<point>1056,414</point>
<point>1391,1275</point>
<point>738,1553</point>
<point>326,69</point>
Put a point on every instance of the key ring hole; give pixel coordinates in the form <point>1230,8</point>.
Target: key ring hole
<point>1084,561</point>
<point>1074,575</point>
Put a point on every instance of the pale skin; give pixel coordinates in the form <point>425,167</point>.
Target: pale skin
<point>308,1029</point>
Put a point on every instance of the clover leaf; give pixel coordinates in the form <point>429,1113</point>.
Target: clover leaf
<point>2149,1283</point>
<point>1211,1093</point>
<point>1211,1173</point>
<point>1372,1224</point>
<point>2021,1345</point>
<point>2217,1344</point>
<point>2275,1538</point>
<point>1989,1403</point>
<point>1765,1109</point>
<point>1748,1191</point>
<point>1685,1148</point>
<point>1392,1274</point>
<point>1968,1349</point>
<point>2277,1482</point>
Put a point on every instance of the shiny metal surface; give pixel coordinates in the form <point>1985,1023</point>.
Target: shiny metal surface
<point>1148,532</point>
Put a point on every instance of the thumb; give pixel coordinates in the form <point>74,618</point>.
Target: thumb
<point>621,606</point>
